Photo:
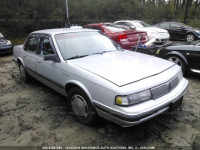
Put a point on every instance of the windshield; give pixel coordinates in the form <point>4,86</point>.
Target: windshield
<point>1,35</point>
<point>84,44</point>
<point>141,24</point>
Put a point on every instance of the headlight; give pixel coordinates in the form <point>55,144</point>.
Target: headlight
<point>197,31</point>
<point>133,99</point>
<point>9,43</point>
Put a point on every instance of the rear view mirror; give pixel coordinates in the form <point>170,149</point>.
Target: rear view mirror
<point>52,57</point>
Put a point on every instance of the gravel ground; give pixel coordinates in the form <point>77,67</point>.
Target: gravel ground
<point>34,115</point>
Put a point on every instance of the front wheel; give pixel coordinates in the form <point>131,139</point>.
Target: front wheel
<point>81,108</point>
<point>179,61</point>
<point>190,37</point>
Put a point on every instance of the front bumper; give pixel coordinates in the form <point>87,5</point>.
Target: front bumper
<point>6,49</point>
<point>126,118</point>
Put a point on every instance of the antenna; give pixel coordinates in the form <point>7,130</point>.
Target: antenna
<point>67,15</point>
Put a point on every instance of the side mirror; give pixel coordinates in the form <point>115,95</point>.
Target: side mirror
<point>51,57</point>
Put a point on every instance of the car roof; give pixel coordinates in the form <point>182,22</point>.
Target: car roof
<point>62,30</point>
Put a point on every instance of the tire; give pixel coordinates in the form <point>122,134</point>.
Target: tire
<point>81,108</point>
<point>179,61</point>
<point>190,37</point>
<point>24,76</point>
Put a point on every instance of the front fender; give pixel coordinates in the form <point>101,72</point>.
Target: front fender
<point>81,86</point>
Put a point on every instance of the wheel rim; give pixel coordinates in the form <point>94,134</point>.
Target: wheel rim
<point>22,72</point>
<point>79,106</point>
<point>190,37</point>
<point>176,60</point>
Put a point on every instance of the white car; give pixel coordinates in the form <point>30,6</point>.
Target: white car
<point>159,34</point>
<point>99,78</point>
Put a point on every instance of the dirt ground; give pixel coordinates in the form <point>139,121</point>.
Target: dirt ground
<point>32,114</point>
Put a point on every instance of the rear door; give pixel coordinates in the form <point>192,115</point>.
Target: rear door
<point>29,53</point>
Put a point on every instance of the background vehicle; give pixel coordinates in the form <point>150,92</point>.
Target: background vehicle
<point>123,36</point>
<point>185,54</point>
<point>160,35</point>
<point>100,78</point>
<point>5,45</point>
<point>180,31</point>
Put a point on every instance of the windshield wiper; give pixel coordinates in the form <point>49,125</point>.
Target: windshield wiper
<point>76,57</point>
<point>103,52</point>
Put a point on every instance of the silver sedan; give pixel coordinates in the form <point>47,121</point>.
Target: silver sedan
<point>99,78</point>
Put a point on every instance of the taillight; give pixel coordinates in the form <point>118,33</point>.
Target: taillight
<point>122,37</point>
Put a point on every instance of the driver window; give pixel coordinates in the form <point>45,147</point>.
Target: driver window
<point>45,47</point>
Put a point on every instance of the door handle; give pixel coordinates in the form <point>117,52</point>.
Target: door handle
<point>38,62</point>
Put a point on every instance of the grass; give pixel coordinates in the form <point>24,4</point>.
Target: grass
<point>17,40</point>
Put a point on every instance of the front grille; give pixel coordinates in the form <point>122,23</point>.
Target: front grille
<point>164,88</point>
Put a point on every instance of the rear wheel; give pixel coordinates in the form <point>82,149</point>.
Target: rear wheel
<point>179,61</point>
<point>190,37</point>
<point>24,76</point>
<point>81,108</point>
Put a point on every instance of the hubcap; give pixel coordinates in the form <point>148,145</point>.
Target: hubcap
<point>190,37</point>
<point>22,72</point>
<point>175,60</point>
<point>79,106</point>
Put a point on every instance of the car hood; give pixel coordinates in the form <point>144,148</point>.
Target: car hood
<point>122,67</point>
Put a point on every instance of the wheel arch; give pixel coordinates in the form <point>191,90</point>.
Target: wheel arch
<point>19,60</point>
<point>71,84</point>
<point>179,55</point>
